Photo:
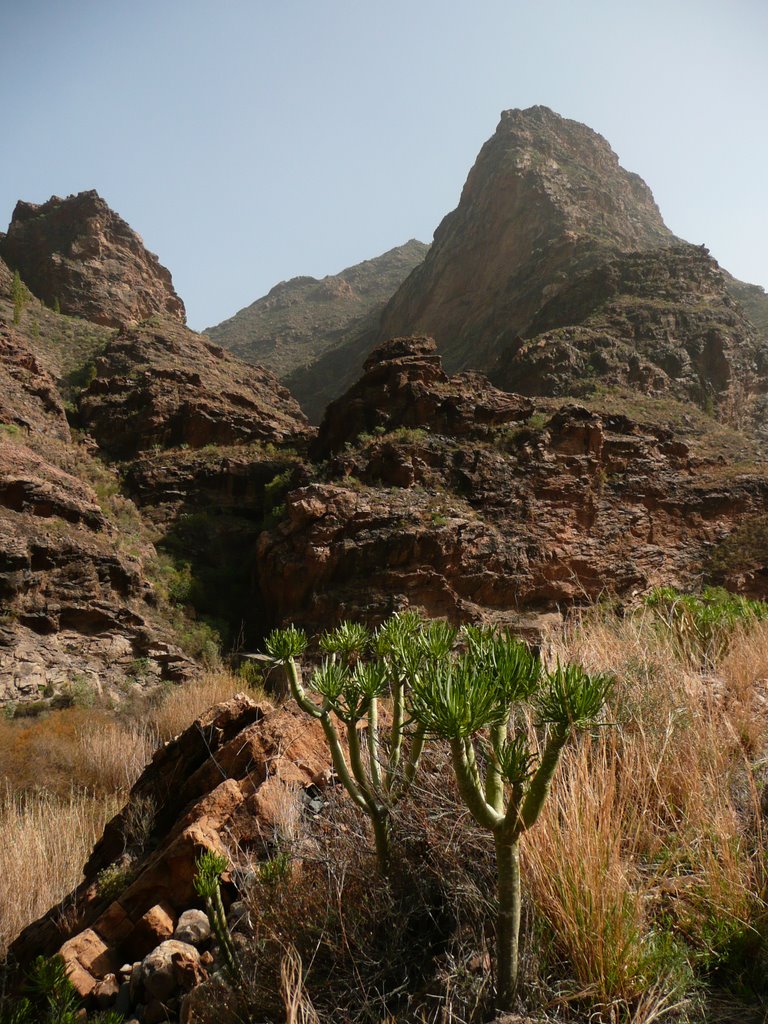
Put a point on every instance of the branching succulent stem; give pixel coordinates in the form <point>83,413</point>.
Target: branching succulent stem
<point>373,743</point>
<point>508,918</point>
<point>376,775</point>
<point>396,733</point>
<point>411,763</point>
<point>340,763</point>
<point>541,782</point>
<point>494,783</point>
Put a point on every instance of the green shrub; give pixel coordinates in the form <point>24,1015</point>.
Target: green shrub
<point>52,997</point>
<point>274,492</point>
<point>744,548</point>
<point>112,881</point>
<point>359,671</point>
<point>20,295</point>
<point>703,625</point>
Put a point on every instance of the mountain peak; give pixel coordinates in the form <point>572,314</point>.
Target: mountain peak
<point>299,319</point>
<point>79,253</point>
<point>545,198</point>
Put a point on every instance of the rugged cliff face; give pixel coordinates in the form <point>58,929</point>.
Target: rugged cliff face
<point>545,197</point>
<point>79,253</point>
<point>582,466</point>
<point>505,514</point>
<point>162,385</point>
<point>302,318</point>
<point>78,612</point>
<point>556,274</point>
<point>661,321</point>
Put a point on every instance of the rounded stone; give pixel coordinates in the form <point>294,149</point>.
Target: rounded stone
<point>193,927</point>
<point>158,970</point>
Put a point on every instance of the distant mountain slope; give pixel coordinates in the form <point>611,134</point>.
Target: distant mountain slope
<point>302,318</point>
<point>557,275</point>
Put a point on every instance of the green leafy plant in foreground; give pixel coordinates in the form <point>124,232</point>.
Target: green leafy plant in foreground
<point>52,998</point>
<point>360,669</point>
<point>482,691</point>
<point>209,868</point>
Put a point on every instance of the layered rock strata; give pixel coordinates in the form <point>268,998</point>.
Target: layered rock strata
<point>161,385</point>
<point>503,522</point>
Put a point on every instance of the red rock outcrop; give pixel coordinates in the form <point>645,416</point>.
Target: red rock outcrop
<point>76,609</point>
<point>405,386</point>
<point>221,785</point>
<point>80,253</point>
<point>506,526</point>
<point>30,402</point>
<point>160,384</point>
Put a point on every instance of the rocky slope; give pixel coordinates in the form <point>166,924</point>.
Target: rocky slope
<point>663,321</point>
<point>545,197</point>
<point>88,606</point>
<point>79,253</point>
<point>206,445</point>
<point>555,273</point>
<point>298,320</point>
<point>445,494</point>
<point>78,613</point>
<point>218,786</point>
<point>161,385</point>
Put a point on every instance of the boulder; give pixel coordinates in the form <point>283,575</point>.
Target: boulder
<point>163,969</point>
<point>193,927</point>
<point>204,786</point>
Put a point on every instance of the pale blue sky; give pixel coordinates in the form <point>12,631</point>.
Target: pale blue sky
<point>248,142</point>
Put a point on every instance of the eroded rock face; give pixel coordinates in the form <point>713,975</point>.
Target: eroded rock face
<point>222,786</point>
<point>662,321</point>
<point>546,196</point>
<point>405,386</point>
<point>30,402</point>
<point>6,279</point>
<point>504,525</point>
<point>162,385</point>
<point>80,253</point>
<point>76,610</point>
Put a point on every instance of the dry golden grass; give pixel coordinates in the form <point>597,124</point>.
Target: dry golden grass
<point>652,839</point>
<point>185,703</point>
<point>46,841</point>
<point>63,776</point>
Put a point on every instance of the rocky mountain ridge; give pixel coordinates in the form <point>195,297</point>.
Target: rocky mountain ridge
<point>473,504</point>
<point>582,466</point>
<point>547,214</point>
<point>88,610</point>
<point>300,319</point>
<point>79,254</point>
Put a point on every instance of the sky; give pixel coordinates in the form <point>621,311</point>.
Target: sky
<point>250,141</point>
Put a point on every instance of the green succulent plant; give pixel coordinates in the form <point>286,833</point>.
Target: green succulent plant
<point>209,867</point>
<point>481,692</point>
<point>360,669</point>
